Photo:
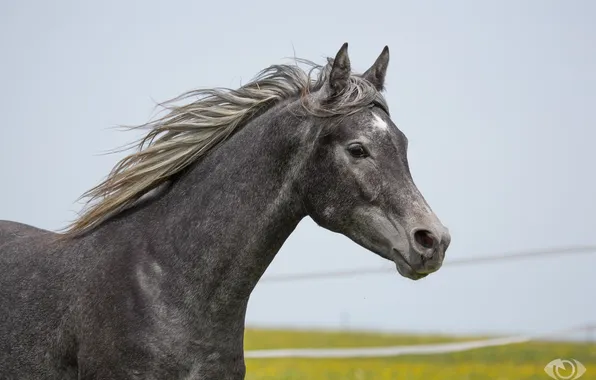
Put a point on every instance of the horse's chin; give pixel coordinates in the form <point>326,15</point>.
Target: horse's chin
<point>404,268</point>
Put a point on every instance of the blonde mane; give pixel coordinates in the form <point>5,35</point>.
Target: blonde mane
<point>189,131</point>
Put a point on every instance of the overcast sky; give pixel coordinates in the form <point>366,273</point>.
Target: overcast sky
<point>497,99</point>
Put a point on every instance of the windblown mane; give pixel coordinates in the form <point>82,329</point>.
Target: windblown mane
<point>189,131</point>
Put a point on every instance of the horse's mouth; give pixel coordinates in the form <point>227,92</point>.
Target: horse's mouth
<point>404,268</point>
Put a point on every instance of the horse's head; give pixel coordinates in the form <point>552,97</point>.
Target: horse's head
<point>358,182</point>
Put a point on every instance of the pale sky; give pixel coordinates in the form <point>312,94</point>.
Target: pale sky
<point>497,100</point>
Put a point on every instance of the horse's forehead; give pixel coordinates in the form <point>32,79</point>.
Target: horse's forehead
<point>378,123</point>
<point>373,125</point>
<point>379,128</point>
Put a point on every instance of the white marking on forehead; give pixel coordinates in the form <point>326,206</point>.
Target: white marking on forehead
<point>379,123</point>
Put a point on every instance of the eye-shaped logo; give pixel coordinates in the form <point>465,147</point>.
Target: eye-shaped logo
<point>563,369</point>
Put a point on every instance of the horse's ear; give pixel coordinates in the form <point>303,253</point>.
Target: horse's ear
<point>376,73</point>
<point>340,71</point>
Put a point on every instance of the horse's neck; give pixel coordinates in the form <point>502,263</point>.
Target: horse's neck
<point>220,225</point>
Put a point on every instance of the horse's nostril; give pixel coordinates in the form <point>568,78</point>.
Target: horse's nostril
<point>425,239</point>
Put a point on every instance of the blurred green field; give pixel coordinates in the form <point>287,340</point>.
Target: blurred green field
<point>513,362</point>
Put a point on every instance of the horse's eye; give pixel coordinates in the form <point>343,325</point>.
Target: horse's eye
<point>358,151</point>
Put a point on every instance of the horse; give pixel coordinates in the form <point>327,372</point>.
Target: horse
<point>153,277</point>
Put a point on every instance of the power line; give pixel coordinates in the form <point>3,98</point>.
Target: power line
<point>572,250</point>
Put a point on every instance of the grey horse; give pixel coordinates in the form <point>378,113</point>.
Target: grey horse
<point>152,280</point>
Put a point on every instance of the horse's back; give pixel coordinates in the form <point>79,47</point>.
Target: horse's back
<point>10,231</point>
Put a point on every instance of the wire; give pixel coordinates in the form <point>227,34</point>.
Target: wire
<point>572,250</point>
